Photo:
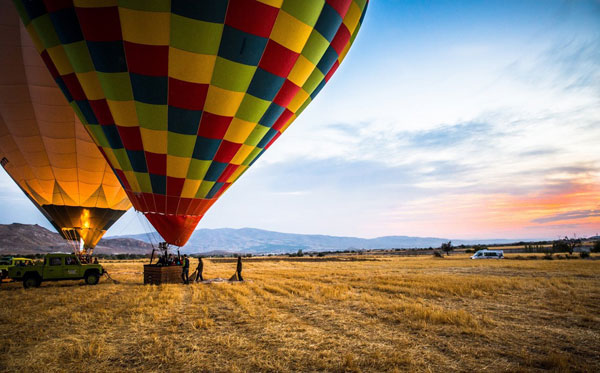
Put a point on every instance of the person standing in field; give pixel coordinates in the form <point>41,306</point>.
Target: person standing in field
<point>185,269</point>
<point>239,268</point>
<point>199,270</point>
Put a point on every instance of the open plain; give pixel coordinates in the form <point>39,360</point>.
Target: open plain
<point>351,313</point>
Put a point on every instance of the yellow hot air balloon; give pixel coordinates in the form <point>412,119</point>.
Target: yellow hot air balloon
<point>45,148</point>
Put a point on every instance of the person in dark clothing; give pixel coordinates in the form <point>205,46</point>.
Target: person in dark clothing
<point>199,270</point>
<point>185,270</point>
<point>239,269</point>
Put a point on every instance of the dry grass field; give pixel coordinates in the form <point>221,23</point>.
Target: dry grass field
<point>370,314</point>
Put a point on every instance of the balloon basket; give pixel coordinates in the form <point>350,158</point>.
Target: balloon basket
<point>157,275</point>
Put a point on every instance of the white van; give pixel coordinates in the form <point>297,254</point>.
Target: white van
<point>488,254</point>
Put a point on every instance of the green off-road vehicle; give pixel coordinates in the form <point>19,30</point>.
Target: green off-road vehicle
<point>56,267</point>
<point>8,261</point>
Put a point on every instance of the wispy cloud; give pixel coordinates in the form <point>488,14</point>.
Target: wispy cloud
<point>579,64</point>
<point>570,215</point>
<point>540,152</point>
<point>292,193</point>
<point>450,135</point>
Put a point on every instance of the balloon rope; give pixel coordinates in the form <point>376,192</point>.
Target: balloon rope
<point>71,237</point>
<point>110,278</point>
<point>147,229</point>
<point>125,225</point>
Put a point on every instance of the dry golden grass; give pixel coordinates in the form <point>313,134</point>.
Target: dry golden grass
<point>384,314</point>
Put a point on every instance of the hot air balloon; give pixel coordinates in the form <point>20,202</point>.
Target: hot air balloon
<point>183,96</point>
<point>44,147</point>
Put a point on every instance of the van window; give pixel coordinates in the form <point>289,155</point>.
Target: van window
<point>55,261</point>
<point>491,254</point>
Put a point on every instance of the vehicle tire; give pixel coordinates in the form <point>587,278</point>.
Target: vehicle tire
<point>92,278</point>
<point>31,282</point>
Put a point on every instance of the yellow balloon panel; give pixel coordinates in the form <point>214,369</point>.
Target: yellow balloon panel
<point>45,148</point>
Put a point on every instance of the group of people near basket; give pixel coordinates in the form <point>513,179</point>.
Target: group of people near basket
<point>87,259</point>
<point>185,269</point>
<point>169,260</point>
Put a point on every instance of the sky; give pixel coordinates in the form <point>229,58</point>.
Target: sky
<point>453,119</point>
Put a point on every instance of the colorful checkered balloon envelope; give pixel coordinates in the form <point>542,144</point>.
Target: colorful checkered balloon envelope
<point>182,96</point>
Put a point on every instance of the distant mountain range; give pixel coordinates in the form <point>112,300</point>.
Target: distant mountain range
<point>258,241</point>
<point>30,239</point>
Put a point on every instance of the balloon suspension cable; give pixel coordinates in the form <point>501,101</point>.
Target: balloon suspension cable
<point>148,230</point>
<point>152,255</point>
<point>125,224</point>
<point>72,239</point>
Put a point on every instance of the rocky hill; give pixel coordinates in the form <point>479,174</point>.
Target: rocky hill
<point>32,239</point>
